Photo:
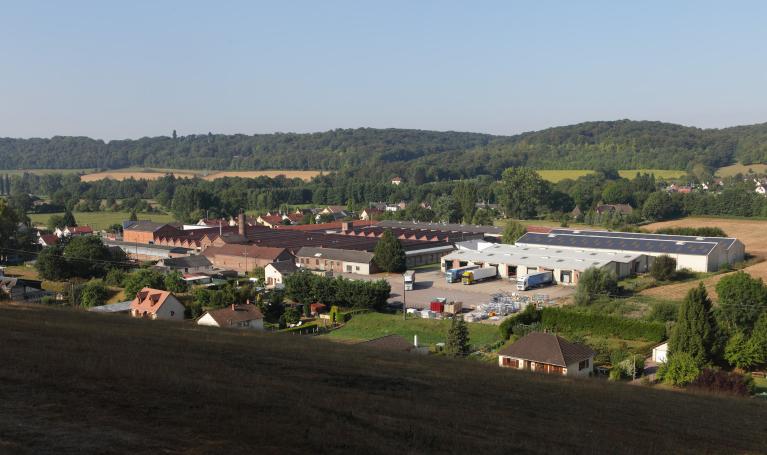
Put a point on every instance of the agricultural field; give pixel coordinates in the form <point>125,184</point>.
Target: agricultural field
<point>44,171</point>
<point>555,175</point>
<point>153,174</point>
<point>729,171</point>
<point>101,220</point>
<point>750,232</point>
<point>70,385</point>
<point>368,326</point>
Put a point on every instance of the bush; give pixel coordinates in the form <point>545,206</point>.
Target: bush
<point>679,370</point>
<point>115,277</point>
<point>530,315</point>
<point>663,268</point>
<point>719,381</point>
<point>600,325</point>
<point>93,293</point>
<point>663,312</point>
<point>593,284</point>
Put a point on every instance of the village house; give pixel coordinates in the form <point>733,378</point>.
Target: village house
<point>47,239</point>
<point>246,316</point>
<point>369,213</point>
<point>244,258</point>
<point>547,353</point>
<point>276,272</point>
<point>336,260</point>
<point>72,231</point>
<point>187,264</point>
<point>396,181</point>
<point>156,304</point>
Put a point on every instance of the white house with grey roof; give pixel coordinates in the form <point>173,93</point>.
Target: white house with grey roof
<point>566,265</point>
<point>699,254</point>
<point>336,260</point>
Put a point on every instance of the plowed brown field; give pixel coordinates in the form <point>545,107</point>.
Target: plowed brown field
<point>752,233</point>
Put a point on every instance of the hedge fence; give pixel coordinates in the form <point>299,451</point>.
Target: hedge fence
<point>601,325</point>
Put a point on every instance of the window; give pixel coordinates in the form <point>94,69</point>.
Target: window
<point>357,267</point>
<point>172,313</point>
<point>511,363</point>
<point>583,364</point>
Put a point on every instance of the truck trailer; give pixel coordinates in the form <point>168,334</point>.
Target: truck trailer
<point>409,277</point>
<point>477,275</point>
<point>455,275</point>
<point>534,280</point>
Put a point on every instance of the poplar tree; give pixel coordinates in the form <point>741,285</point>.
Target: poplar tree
<point>695,331</point>
<point>458,338</point>
<point>389,255</point>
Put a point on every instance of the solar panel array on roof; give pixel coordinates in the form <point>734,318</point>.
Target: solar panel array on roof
<point>626,241</point>
<point>726,241</point>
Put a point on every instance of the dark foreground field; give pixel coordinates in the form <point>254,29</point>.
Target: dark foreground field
<point>82,383</point>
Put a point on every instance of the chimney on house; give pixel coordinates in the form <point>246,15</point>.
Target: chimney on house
<point>234,307</point>
<point>241,224</point>
<point>347,225</point>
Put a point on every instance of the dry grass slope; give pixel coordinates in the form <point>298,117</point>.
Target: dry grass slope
<point>750,232</point>
<point>75,382</point>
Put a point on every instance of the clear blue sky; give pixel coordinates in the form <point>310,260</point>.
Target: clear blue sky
<point>142,68</point>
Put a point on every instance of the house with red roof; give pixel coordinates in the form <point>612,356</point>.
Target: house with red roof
<point>156,304</point>
<point>73,231</point>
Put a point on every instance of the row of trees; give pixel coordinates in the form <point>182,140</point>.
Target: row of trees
<point>305,287</point>
<point>734,334</point>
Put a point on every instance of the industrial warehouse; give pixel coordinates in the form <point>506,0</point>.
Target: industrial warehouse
<point>698,254</point>
<point>566,265</point>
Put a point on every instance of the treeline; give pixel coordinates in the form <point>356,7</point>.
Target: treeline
<point>413,154</point>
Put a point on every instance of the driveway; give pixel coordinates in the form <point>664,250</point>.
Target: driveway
<point>431,284</point>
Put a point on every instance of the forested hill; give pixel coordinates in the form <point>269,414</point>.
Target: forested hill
<point>622,144</point>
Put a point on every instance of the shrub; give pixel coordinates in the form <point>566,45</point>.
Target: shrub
<point>679,370</point>
<point>602,325</point>
<point>663,268</point>
<point>93,293</point>
<point>694,231</point>
<point>115,277</point>
<point>663,312</point>
<point>594,283</point>
<point>719,381</point>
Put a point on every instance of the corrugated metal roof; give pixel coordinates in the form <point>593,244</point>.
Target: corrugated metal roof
<point>536,256</point>
<point>627,241</point>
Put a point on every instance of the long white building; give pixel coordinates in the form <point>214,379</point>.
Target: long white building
<point>699,254</point>
<point>565,264</point>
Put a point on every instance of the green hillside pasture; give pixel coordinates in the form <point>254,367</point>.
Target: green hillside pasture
<point>369,326</point>
<point>729,171</point>
<point>555,175</point>
<point>101,220</point>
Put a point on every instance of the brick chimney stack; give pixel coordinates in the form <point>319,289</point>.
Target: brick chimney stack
<point>241,224</point>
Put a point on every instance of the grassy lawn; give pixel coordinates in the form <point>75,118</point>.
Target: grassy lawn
<point>555,175</point>
<point>30,273</point>
<point>760,385</point>
<point>374,325</point>
<point>101,220</point>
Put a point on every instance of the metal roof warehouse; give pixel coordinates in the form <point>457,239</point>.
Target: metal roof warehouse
<point>699,254</point>
<point>566,265</point>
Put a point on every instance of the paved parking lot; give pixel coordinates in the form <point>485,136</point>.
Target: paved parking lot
<point>431,284</point>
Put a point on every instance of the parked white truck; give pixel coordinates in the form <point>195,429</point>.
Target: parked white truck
<point>534,280</point>
<point>409,277</point>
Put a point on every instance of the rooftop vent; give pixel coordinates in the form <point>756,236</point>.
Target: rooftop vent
<point>552,235</point>
<point>699,238</point>
<point>680,243</point>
